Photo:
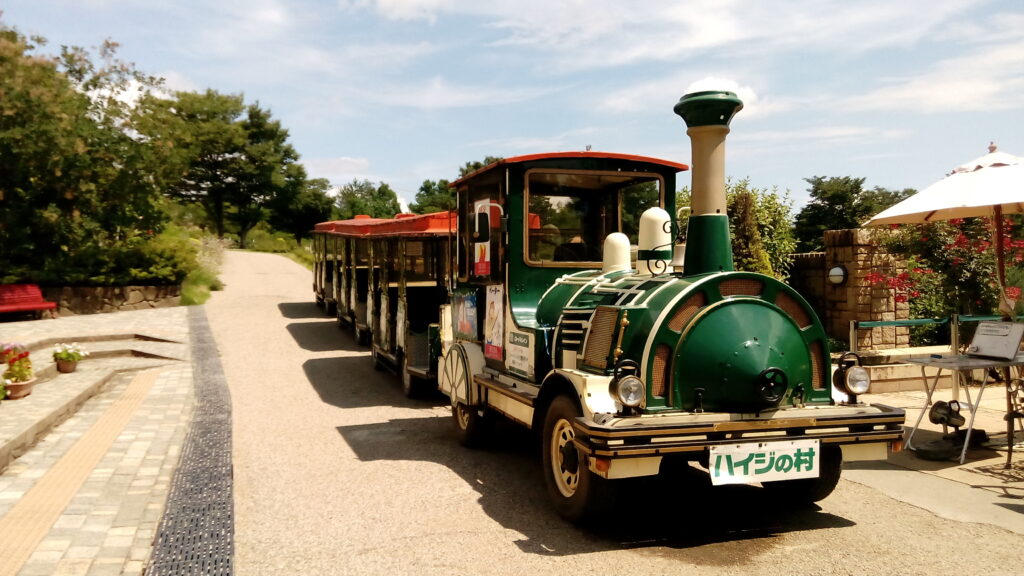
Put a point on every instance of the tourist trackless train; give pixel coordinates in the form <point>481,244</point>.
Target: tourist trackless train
<point>559,295</point>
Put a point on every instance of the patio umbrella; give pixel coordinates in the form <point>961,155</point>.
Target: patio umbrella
<point>989,186</point>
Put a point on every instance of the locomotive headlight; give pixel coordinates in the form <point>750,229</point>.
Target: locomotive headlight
<point>857,381</point>
<point>629,390</point>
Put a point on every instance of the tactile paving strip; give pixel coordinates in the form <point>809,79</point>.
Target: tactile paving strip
<point>196,533</point>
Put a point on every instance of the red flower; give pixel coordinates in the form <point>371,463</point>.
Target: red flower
<point>1013,292</point>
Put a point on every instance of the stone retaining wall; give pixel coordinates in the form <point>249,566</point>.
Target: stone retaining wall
<point>72,300</point>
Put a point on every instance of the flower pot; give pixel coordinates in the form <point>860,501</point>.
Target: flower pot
<point>66,366</point>
<point>17,390</point>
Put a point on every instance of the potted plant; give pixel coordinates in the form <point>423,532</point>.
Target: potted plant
<point>18,377</point>
<point>67,356</point>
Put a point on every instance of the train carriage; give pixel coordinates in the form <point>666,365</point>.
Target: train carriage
<point>562,299</point>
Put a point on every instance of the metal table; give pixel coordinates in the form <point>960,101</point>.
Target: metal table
<point>961,363</point>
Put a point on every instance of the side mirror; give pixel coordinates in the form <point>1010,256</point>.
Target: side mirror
<point>482,227</point>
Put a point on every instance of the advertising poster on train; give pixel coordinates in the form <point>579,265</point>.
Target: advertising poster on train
<point>481,250</point>
<point>494,323</point>
<point>465,315</point>
<point>519,354</point>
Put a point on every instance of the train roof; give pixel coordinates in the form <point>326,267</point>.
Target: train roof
<point>676,166</point>
<point>433,224</point>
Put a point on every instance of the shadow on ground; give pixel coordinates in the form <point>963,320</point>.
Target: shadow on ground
<point>679,514</point>
<point>299,310</point>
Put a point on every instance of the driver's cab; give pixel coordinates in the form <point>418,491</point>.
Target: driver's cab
<point>526,221</point>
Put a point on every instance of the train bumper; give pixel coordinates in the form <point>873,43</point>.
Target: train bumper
<point>628,446</point>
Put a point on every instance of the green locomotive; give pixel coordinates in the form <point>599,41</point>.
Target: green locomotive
<point>572,310</point>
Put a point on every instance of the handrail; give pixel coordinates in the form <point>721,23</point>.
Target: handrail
<point>954,321</point>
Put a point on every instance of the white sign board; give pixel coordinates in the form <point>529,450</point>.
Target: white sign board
<point>764,461</point>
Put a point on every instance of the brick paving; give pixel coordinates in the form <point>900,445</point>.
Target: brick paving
<point>112,503</point>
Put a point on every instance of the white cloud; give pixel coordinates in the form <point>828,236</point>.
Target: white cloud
<point>568,140</point>
<point>342,169</point>
<point>985,80</point>
<point>175,81</point>
<point>438,93</point>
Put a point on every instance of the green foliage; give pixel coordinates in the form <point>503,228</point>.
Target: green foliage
<point>759,224</point>
<point>748,250</point>
<point>74,182</point>
<point>207,138</point>
<point>434,196</point>
<point>262,239</point>
<point>361,197</point>
<point>839,203</point>
<point>196,287</point>
<point>470,167</point>
<point>299,206</point>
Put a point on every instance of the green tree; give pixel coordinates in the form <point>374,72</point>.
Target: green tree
<point>298,208</point>
<point>361,197</point>
<point>209,140</point>
<point>434,196</point>
<point>79,187</point>
<point>839,203</point>
<point>262,170</point>
<point>438,196</point>
<point>470,167</point>
<point>760,225</point>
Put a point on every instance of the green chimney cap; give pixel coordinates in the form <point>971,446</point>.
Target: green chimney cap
<point>708,108</point>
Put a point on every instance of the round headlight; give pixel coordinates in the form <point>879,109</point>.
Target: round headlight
<point>858,381</point>
<point>629,390</point>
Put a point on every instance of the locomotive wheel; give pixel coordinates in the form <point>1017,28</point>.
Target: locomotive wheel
<point>577,494</point>
<point>470,422</point>
<point>810,490</point>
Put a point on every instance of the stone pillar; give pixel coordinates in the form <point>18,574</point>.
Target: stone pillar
<point>856,298</point>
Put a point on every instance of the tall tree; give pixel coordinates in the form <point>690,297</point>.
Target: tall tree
<point>301,206</point>
<point>434,196</point>
<point>261,170</point>
<point>760,226</point>
<point>361,197</point>
<point>210,142</point>
<point>839,203</point>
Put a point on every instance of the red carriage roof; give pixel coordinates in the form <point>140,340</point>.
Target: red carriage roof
<point>434,224</point>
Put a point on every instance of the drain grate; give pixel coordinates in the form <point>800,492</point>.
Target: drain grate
<point>196,533</point>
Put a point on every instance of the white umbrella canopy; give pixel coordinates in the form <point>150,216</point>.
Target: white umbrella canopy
<point>961,195</point>
<point>989,186</point>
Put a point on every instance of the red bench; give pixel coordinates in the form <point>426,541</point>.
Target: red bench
<point>24,298</point>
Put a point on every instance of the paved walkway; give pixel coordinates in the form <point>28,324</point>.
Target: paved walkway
<point>87,462</point>
<point>89,456</point>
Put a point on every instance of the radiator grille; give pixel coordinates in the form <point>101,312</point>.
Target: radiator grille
<point>599,338</point>
<point>794,309</point>
<point>741,286</point>
<point>687,311</point>
<point>817,365</point>
<point>661,375</point>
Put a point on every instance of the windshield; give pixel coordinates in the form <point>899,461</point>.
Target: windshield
<point>571,213</point>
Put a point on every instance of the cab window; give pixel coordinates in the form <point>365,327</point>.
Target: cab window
<point>571,213</point>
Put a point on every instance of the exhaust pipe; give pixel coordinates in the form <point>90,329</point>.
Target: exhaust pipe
<point>707,116</point>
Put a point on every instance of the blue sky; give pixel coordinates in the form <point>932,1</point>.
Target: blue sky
<point>898,92</point>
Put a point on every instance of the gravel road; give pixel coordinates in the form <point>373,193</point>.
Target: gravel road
<point>336,472</point>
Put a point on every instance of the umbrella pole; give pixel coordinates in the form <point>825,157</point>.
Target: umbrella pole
<point>1000,266</point>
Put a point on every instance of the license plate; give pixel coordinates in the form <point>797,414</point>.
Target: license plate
<point>764,461</point>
